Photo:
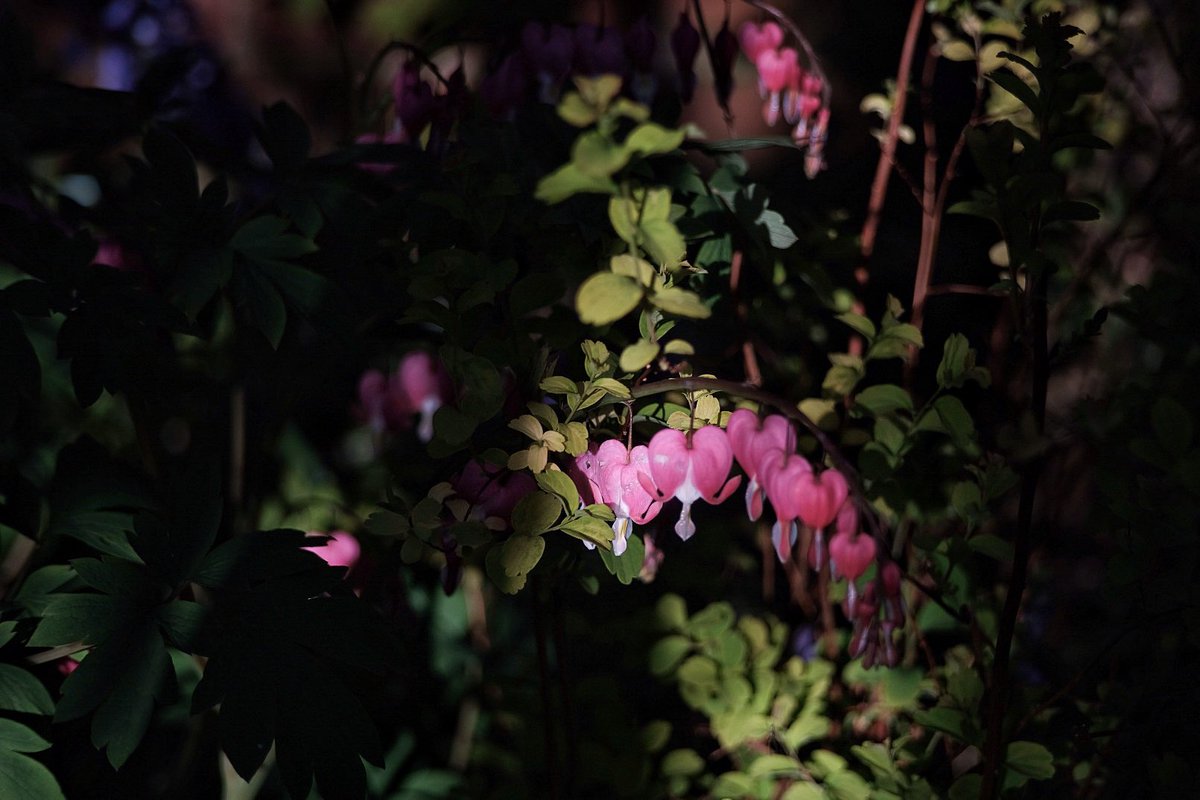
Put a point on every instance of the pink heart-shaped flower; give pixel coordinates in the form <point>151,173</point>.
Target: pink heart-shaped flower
<point>852,554</point>
<point>758,38</point>
<point>690,470</point>
<point>818,498</point>
<point>775,67</point>
<point>621,476</point>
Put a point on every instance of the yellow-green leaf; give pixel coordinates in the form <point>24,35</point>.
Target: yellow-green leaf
<point>638,355</point>
<point>639,269</point>
<point>651,138</point>
<point>568,180</point>
<point>606,297</point>
<point>676,300</point>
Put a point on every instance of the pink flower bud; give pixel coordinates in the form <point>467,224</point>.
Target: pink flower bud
<point>780,471</point>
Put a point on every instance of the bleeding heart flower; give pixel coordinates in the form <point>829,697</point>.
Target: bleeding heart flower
<point>492,491</point>
<point>752,439</point>
<point>414,101</point>
<point>819,497</point>
<point>755,39</point>
<point>779,472</point>
<point>724,54</point>
<point>504,89</point>
<point>851,554</point>
<point>623,475</point>
<point>599,51</point>
<point>342,550</point>
<point>685,44</point>
<point>373,399</point>
<point>847,519</point>
<point>418,387</point>
<point>691,468</point>
<point>548,49</point>
<point>777,70</point>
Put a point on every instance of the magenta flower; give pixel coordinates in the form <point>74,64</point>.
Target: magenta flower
<point>418,387</point>
<point>492,491</point>
<point>851,554</point>
<point>819,497</point>
<point>777,71</point>
<point>342,550</point>
<point>756,39</point>
<point>753,440</point>
<point>779,471</point>
<point>690,468</point>
<point>373,400</point>
<point>623,475</point>
<point>724,54</point>
<point>685,45</point>
<point>414,102</point>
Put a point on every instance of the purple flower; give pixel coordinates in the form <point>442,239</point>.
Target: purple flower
<point>685,44</point>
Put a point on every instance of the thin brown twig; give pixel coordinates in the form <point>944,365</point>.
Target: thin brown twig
<point>888,154</point>
<point>749,357</point>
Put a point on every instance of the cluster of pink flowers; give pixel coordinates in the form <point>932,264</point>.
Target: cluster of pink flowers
<point>635,482</point>
<point>418,386</point>
<point>799,95</point>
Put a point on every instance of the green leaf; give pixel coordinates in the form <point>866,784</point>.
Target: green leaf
<point>884,399</point>
<point>628,565</point>
<point>712,621</point>
<point>598,157</point>
<point>954,364</point>
<point>780,236</point>
<point>613,387</point>
<point>967,787</point>
<point>557,483</point>
<point>950,721</point>
<point>604,298</point>
<point>1070,211</point>
<point>675,300</point>
<point>650,138</point>
<point>587,528</point>
<point>16,738</point>
<point>667,654</point>
<point>662,240</point>
<point>638,355</point>
<point>671,612</point>
<point>992,546</point>
<point>682,762</point>
<point>1030,759</point>
<point>804,791</point>
<point>1017,88</point>
<point>568,180</point>
<point>536,513</point>
<point>955,420</point>
<point>21,776</point>
<point>453,426</point>
<point>739,145</point>
<point>655,735</point>
<point>859,323</point>
<point>776,765</point>
<point>521,553</point>
<point>21,691</point>
<point>733,784</point>
<point>557,384</point>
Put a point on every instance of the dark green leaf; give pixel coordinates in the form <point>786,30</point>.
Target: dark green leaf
<point>21,691</point>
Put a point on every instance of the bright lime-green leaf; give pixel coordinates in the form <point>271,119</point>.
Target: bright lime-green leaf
<point>605,298</point>
<point>638,355</point>
<point>568,180</point>
<point>675,300</point>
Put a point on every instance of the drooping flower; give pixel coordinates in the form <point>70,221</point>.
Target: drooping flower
<point>492,491</point>
<point>640,43</point>
<point>503,90</point>
<point>548,50</point>
<point>417,387</point>
<point>777,71</point>
<point>685,45</point>
<point>752,440</point>
<point>691,468</point>
<point>755,39</point>
<point>851,554</point>
<point>779,471</point>
<point>414,100</point>
<point>342,550</point>
<point>599,51</point>
<point>724,54</point>
<point>623,475</point>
